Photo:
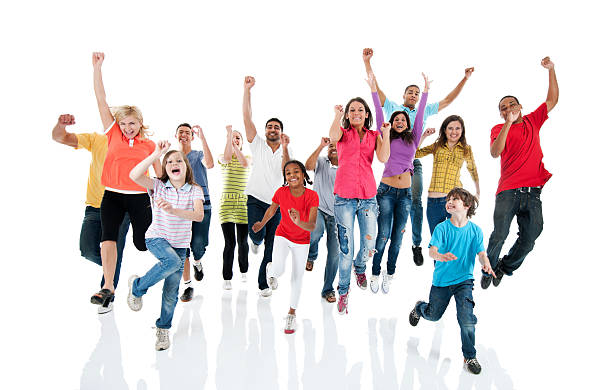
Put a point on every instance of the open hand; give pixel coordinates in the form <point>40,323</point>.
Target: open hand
<point>447,257</point>
<point>164,205</point>
<point>294,215</point>
<point>427,83</point>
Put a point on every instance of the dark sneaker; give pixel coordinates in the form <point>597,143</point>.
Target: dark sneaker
<point>414,316</point>
<point>417,255</point>
<point>198,271</point>
<point>485,281</point>
<point>499,274</point>
<point>361,280</point>
<point>472,366</point>
<point>187,295</point>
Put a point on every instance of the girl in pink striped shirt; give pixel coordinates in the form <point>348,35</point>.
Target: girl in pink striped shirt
<point>176,201</point>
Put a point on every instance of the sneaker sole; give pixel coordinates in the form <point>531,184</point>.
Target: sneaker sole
<point>289,331</point>
<point>105,309</point>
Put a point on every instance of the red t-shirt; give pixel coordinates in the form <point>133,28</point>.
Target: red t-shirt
<point>521,160</point>
<point>286,228</point>
<point>123,155</point>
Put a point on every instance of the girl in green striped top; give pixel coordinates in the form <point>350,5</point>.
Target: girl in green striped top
<point>233,208</point>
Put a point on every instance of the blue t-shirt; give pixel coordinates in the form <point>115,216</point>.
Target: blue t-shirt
<point>390,107</point>
<point>324,180</point>
<point>199,174</point>
<point>465,243</point>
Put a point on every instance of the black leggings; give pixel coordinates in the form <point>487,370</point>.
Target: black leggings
<point>112,210</point>
<point>230,245</point>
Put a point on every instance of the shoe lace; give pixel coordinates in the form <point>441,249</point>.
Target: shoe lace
<point>361,278</point>
<point>162,335</point>
<point>472,362</point>
<point>290,321</point>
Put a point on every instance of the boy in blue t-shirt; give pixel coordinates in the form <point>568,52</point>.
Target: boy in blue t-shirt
<point>454,245</point>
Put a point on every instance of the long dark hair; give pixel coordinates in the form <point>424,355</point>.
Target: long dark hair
<point>302,167</point>
<point>367,124</point>
<point>188,175</point>
<point>442,140</point>
<point>407,135</point>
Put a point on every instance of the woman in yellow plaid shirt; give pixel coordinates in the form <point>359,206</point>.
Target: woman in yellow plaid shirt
<point>450,151</point>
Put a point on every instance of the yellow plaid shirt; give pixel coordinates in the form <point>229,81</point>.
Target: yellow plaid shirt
<point>447,166</point>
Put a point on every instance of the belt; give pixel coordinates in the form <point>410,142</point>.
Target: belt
<point>530,189</point>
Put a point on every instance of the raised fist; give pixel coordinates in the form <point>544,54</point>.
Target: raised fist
<point>468,72</point>
<point>97,58</point>
<point>65,120</point>
<point>367,54</point>
<point>249,82</point>
<point>547,63</point>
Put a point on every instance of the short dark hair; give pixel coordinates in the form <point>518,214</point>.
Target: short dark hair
<point>507,96</point>
<point>466,197</point>
<point>182,125</point>
<point>302,167</point>
<point>412,85</point>
<point>275,120</point>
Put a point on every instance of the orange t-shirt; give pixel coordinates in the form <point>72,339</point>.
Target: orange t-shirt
<point>123,155</point>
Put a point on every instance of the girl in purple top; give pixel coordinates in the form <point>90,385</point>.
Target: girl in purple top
<point>394,194</point>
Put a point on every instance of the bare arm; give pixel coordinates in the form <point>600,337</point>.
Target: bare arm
<point>247,114</point>
<point>434,254</point>
<point>367,56</point>
<point>311,163</point>
<point>196,215</point>
<point>553,88</point>
<point>312,219</point>
<point>335,132</point>
<point>285,145</point>
<point>426,134</point>
<point>105,113</point>
<point>59,133</point>
<point>138,173</point>
<point>159,171</point>
<point>484,261</point>
<point>497,147</point>
<point>383,145</point>
<point>257,226</point>
<point>208,158</point>
<point>455,92</point>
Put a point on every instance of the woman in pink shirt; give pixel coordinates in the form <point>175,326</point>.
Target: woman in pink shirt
<point>355,187</point>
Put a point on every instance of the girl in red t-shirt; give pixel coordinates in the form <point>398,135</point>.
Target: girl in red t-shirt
<point>298,218</point>
<point>127,146</point>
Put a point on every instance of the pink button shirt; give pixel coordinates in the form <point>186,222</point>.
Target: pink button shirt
<point>355,178</point>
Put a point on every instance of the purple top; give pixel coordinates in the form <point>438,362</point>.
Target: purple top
<point>402,154</point>
<point>379,112</point>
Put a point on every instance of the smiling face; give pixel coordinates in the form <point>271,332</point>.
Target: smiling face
<point>400,123</point>
<point>411,96</point>
<point>273,131</point>
<point>184,135</point>
<point>176,167</point>
<point>294,175</point>
<point>455,206</point>
<point>453,132</point>
<point>356,114</point>
<point>332,152</point>
<point>507,105</point>
<point>237,139</point>
<point>130,126</point>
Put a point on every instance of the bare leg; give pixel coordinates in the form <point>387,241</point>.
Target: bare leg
<point>108,252</point>
<point>187,270</point>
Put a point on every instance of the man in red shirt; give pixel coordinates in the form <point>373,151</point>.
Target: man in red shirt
<point>523,175</point>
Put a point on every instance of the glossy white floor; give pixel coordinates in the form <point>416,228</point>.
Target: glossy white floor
<point>545,327</point>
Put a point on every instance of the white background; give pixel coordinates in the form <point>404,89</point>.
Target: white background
<point>547,326</point>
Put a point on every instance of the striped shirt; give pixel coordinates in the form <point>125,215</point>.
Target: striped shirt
<point>175,230</point>
<point>233,206</point>
<point>447,166</point>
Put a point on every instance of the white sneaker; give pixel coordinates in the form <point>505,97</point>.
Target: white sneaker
<point>254,248</point>
<point>290,324</point>
<point>105,309</point>
<point>374,283</point>
<point>163,339</point>
<point>266,292</point>
<point>272,281</point>
<point>227,284</point>
<point>243,277</point>
<point>135,303</point>
<point>386,282</point>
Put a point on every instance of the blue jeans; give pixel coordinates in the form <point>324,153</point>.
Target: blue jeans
<point>91,234</point>
<point>345,211</point>
<point>394,207</point>
<point>527,207</point>
<point>436,212</point>
<point>199,236</point>
<point>170,269</point>
<point>326,222</point>
<point>416,208</point>
<point>255,213</point>
<point>439,297</point>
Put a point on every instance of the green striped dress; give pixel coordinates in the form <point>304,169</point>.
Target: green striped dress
<point>233,207</point>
